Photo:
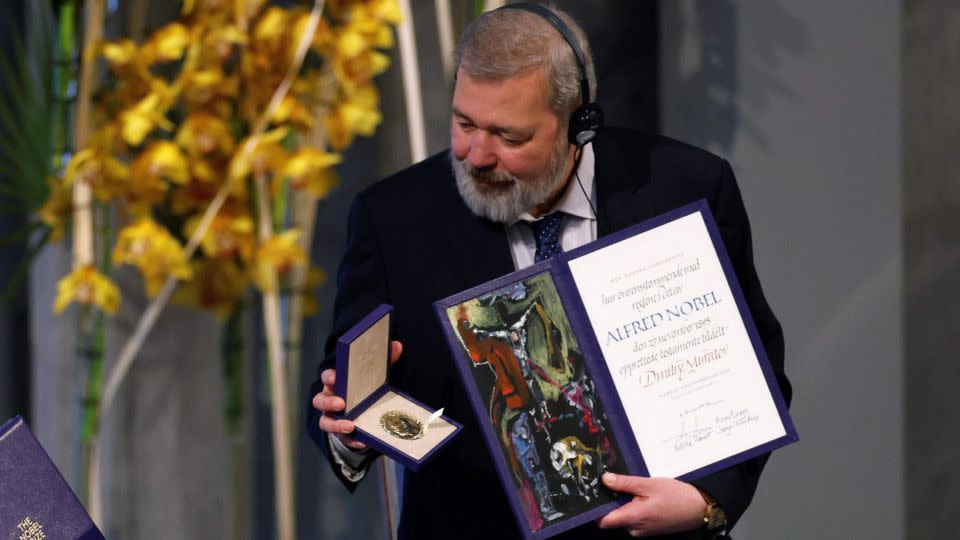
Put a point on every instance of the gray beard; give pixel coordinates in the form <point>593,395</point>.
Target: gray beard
<point>507,205</point>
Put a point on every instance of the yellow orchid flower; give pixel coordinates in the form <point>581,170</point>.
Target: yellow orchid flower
<point>166,44</point>
<point>350,43</point>
<point>121,55</point>
<point>209,170</point>
<point>267,156</point>
<point>230,233</point>
<point>366,21</point>
<point>203,134</point>
<point>361,120</point>
<point>210,89</point>
<point>320,183</point>
<point>356,114</point>
<point>105,174</point>
<point>107,139</point>
<point>129,91</point>
<point>160,161</point>
<point>221,41</point>
<point>309,169</point>
<point>359,70</point>
<point>217,286</point>
<point>154,251</point>
<point>272,31</point>
<point>322,37</point>
<point>138,121</point>
<point>276,255</point>
<point>386,10</point>
<point>293,111</point>
<point>57,209</point>
<point>87,286</point>
<point>381,37</point>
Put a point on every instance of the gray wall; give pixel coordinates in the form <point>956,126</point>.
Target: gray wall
<point>931,198</point>
<point>804,99</point>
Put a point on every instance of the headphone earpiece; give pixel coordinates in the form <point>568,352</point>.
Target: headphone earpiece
<point>585,122</point>
<point>587,119</point>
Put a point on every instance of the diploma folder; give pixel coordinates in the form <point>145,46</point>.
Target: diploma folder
<point>35,501</point>
<point>634,354</point>
<point>363,361</point>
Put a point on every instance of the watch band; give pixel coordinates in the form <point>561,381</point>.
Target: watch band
<point>714,518</point>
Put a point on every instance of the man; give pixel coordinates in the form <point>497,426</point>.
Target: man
<point>464,217</point>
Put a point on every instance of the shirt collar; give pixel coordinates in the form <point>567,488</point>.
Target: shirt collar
<point>574,202</point>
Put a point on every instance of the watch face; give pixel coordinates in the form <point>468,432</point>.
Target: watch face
<point>717,518</point>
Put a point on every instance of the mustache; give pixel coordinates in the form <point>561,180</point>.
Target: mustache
<point>489,175</point>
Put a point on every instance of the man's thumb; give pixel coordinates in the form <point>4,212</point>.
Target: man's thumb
<point>396,349</point>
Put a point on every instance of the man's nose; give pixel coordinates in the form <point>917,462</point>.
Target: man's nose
<point>482,154</point>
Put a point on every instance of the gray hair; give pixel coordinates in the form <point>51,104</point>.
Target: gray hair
<point>506,42</point>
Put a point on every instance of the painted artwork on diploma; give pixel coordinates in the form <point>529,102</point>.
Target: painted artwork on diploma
<point>543,406</point>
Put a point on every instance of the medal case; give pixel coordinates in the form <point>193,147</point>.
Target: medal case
<point>363,362</point>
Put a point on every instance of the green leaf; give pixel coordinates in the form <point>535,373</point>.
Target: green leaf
<point>13,192</point>
<point>27,113</point>
<point>13,208</point>
<point>12,69</point>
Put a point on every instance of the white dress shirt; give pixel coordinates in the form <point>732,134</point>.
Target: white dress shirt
<point>580,225</point>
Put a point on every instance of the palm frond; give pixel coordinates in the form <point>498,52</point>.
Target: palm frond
<point>27,110</point>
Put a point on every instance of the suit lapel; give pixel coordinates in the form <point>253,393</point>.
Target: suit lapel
<point>622,179</point>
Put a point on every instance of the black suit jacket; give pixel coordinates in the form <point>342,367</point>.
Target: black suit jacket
<point>412,241</point>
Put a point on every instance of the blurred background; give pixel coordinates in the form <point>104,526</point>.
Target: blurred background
<point>840,120</point>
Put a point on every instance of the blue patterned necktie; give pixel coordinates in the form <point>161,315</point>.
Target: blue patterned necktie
<point>546,232</point>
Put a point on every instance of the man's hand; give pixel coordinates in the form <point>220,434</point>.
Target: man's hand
<point>328,404</point>
<point>659,505</point>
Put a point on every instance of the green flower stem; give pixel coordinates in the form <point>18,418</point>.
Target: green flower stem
<point>93,353</point>
<point>63,73</point>
<point>97,338</point>
<point>279,205</point>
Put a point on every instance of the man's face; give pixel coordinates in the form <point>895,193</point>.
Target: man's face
<point>509,150</point>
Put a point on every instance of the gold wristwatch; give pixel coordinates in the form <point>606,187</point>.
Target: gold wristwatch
<point>714,519</point>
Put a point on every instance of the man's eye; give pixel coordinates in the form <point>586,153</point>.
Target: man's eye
<point>513,142</point>
<point>466,126</point>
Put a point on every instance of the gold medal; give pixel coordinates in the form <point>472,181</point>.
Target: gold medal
<point>401,425</point>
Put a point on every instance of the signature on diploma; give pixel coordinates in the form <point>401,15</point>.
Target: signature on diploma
<point>691,433</point>
<point>733,419</point>
<point>694,431</point>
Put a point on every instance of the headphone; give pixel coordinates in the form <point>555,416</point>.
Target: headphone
<point>588,118</point>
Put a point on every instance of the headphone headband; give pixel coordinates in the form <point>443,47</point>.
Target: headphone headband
<point>568,36</point>
<point>587,119</point>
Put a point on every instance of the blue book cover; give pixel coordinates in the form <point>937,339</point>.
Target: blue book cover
<point>35,501</point>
